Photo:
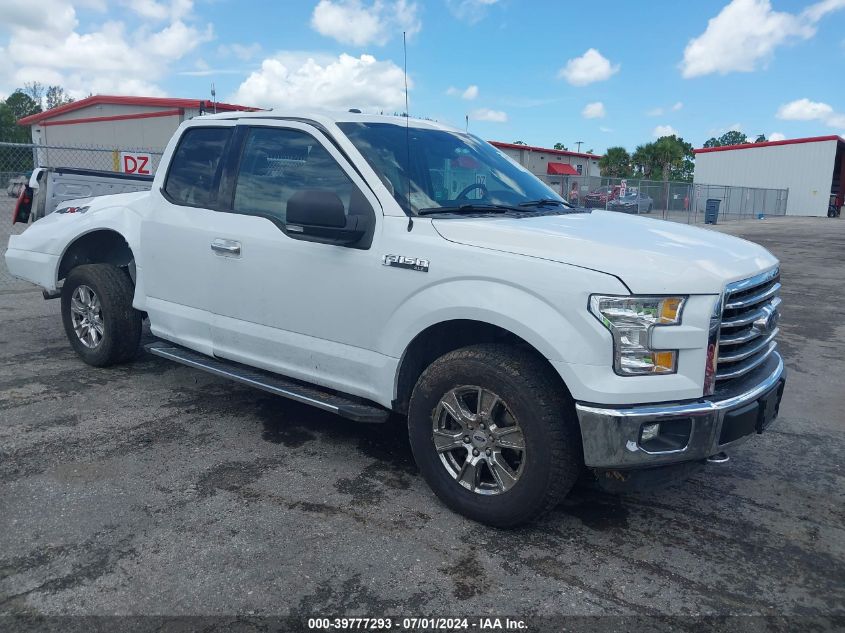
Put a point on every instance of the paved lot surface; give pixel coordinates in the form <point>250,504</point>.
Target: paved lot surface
<point>155,489</point>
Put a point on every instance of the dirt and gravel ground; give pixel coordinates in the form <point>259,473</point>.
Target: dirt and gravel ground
<point>155,489</point>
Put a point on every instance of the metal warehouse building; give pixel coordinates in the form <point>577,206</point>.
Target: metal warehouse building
<point>812,169</point>
<point>115,122</point>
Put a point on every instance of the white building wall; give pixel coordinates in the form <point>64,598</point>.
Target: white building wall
<point>806,169</point>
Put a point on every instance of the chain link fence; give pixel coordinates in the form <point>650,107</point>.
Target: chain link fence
<point>678,201</point>
<point>17,160</point>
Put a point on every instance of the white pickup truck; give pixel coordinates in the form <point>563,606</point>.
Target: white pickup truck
<point>368,265</point>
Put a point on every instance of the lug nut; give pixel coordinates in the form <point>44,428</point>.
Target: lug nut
<point>482,426</point>
<point>466,439</point>
<point>489,452</point>
<point>475,452</point>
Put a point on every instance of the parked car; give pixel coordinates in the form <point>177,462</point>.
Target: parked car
<point>601,196</point>
<point>524,341</point>
<point>632,202</point>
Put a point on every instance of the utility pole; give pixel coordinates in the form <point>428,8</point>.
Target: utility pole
<point>579,144</point>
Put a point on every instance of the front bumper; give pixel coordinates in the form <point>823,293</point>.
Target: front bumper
<point>611,435</point>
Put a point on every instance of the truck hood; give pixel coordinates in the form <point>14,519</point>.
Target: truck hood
<point>648,255</point>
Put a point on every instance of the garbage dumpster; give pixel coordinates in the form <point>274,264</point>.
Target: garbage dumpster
<point>711,211</point>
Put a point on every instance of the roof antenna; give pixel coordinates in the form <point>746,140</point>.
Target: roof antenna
<point>407,134</point>
<point>213,98</point>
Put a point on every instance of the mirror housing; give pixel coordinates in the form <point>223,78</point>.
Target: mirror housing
<point>320,215</point>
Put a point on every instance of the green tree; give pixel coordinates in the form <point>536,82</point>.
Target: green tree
<point>684,172</point>
<point>519,143</point>
<point>668,155</point>
<point>733,137</point>
<point>644,160</point>
<point>22,104</point>
<point>761,139</point>
<point>561,146</point>
<point>712,142</point>
<point>56,96</point>
<point>16,106</point>
<point>616,163</point>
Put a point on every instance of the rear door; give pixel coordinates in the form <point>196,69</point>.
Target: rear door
<point>176,263</point>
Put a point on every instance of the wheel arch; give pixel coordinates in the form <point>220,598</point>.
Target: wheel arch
<point>98,246</point>
<point>448,335</point>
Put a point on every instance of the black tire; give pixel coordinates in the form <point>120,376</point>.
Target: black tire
<point>534,396</point>
<point>120,321</point>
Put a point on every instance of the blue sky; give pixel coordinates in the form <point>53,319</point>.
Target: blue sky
<point>606,73</point>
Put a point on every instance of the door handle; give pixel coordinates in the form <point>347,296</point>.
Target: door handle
<point>226,247</point>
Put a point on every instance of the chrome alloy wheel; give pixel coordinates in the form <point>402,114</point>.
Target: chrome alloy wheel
<point>86,314</point>
<point>478,439</point>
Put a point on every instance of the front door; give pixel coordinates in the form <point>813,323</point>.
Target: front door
<point>285,303</point>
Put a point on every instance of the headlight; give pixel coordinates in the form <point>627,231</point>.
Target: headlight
<point>630,321</point>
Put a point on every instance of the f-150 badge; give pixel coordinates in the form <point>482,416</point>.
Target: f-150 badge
<point>411,263</point>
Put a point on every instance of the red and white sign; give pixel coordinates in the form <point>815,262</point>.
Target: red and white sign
<point>135,163</point>
<point>623,188</point>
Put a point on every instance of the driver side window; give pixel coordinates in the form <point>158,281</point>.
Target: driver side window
<point>278,163</point>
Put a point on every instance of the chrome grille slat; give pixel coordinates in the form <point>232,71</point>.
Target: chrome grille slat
<point>754,299</point>
<point>740,369</point>
<point>734,356</point>
<point>748,329</point>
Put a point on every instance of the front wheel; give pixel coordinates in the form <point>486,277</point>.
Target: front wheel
<point>100,322</point>
<point>493,434</point>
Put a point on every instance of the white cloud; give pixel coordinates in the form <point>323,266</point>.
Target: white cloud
<point>107,59</point>
<point>592,66</point>
<point>655,112</point>
<point>301,80</point>
<point>470,93</point>
<point>678,105</point>
<point>745,34</point>
<point>806,110</point>
<point>244,52</point>
<point>485,114</point>
<point>471,11</point>
<point>594,110</point>
<point>353,22</point>
<point>777,136</point>
<point>605,129</point>
<point>154,10</point>
<point>664,130</point>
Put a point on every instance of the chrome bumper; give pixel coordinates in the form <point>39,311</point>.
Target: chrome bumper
<point>611,436</point>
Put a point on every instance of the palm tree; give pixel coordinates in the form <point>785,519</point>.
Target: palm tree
<point>616,163</point>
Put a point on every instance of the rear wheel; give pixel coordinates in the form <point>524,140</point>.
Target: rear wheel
<point>493,435</point>
<point>100,322</point>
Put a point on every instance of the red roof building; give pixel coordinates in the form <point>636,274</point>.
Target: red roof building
<point>118,121</point>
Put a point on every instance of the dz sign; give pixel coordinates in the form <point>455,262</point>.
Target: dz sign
<point>135,163</point>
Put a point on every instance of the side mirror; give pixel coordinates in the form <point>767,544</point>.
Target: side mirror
<point>320,215</point>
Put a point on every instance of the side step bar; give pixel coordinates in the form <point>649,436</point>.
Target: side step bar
<point>344,406</point>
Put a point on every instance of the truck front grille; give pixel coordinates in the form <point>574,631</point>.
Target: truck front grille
<point>748,330</point>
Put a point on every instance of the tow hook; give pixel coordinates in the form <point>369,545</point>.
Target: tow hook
<point>718,458</point>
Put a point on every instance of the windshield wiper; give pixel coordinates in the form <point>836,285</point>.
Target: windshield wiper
<point>469,208</point>
<point>543,202</point>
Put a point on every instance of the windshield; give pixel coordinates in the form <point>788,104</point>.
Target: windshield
<point>444,169</point>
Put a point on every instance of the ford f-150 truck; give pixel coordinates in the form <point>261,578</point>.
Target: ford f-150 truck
<point>367,265</point>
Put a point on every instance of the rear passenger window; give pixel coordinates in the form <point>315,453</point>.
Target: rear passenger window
<point>277,163</point>
<point>195,167</point>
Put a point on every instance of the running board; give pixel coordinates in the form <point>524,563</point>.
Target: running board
<point>344,406</point>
